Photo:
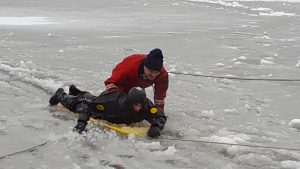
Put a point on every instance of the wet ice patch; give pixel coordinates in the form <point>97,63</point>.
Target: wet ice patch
<point>25,21</point>
<point>295,123</point>
<point>70,135</point>
<point>37,125</point>
<point>32,105</point>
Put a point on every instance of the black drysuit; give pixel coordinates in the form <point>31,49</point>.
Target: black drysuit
<point>113,107</point>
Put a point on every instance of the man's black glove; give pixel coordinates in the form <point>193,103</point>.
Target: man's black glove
<point>154,132</point>
<point>80,126</point>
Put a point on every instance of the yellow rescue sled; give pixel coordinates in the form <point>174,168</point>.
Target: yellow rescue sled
<point>138,131</point>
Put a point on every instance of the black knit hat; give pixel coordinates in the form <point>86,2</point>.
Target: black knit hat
<point>154,60</point>
<point>136,95</point>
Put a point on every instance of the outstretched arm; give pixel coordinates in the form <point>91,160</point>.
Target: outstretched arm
<point>157,119</point>
<point>84,117</point>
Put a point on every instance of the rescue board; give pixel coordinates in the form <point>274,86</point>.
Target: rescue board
<point>126,130</point>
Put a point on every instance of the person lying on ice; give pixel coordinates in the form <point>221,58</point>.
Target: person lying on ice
<point>115,107</point>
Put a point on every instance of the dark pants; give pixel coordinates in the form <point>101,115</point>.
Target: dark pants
<point>77,103</point>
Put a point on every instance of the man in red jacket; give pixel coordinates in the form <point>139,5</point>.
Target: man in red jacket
<point>142,70</point>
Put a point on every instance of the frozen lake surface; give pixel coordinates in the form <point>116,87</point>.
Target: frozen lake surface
<point>50,44</point>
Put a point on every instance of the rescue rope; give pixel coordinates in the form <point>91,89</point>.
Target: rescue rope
<point>27,150</point>
<point>233,144</point>
<point>235,78</point>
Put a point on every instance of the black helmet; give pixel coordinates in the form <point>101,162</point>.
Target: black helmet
<point>137,95</point>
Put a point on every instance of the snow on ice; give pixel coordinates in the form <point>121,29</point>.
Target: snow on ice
<point>25,21</point>
<point>295,123</point>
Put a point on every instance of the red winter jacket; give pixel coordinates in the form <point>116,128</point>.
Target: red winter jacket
<point>129,73</point>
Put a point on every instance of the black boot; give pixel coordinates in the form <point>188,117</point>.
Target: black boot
<point>73,90</point>
<point>54,100</point>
